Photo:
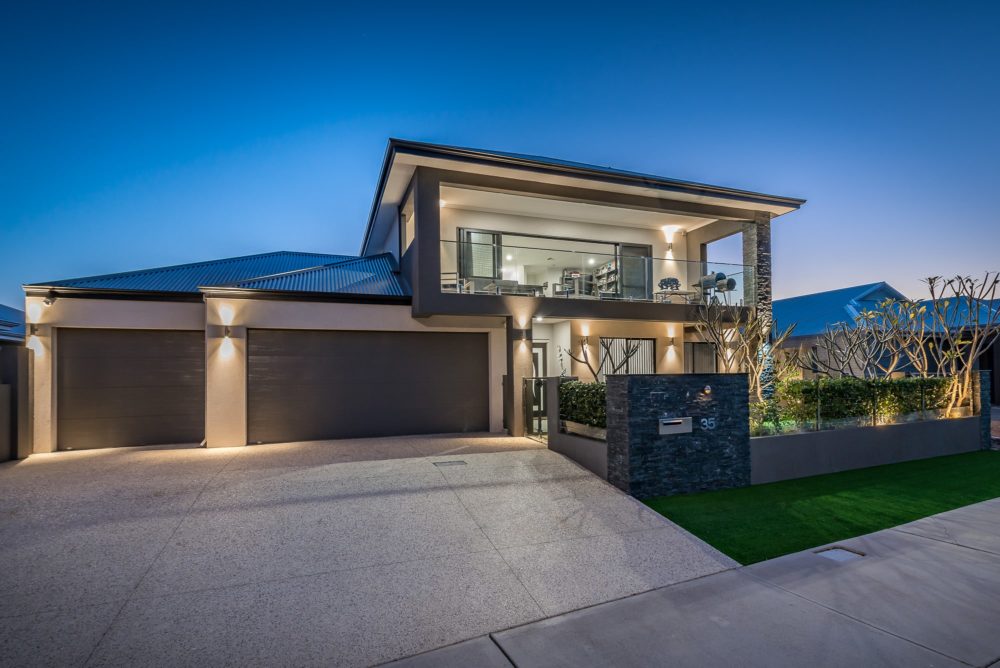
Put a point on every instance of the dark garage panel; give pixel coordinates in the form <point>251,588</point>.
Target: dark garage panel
<point>313,385</point>
<point>120,387</point>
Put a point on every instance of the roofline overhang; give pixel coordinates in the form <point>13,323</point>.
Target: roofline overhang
<point>106,293</point>
<point>199,297</point>
<point>300,296</point>
<point>478,156</point>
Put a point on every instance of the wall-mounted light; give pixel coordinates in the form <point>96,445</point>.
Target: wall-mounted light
<point>509,257</point>
<point>227,332</point>
<point>538,318</point>
<point>50,298</point>
<point>591,261</point>
<point>668,236</point>
<point>670,342</point>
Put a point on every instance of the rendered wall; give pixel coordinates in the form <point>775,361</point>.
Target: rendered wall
<point>589,453</point>
<point>789,456</point>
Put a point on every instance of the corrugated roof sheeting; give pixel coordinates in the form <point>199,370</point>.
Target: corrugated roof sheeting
<point>187,278</point>
<point>812,314</point>
<point>376,275</point>
<point>11,324</point>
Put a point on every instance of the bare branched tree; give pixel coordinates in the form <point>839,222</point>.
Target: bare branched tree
<point>905,325</point>
<point>859,348</point>
<point>965,321</point>
<point>745,341</point>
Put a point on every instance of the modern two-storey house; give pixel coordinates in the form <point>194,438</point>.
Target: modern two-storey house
<point>477,270</point>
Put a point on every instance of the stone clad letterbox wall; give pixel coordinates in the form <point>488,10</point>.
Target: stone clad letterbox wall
<point>715,454</point>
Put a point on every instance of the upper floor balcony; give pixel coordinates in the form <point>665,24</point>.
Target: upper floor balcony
<point>583,270</point>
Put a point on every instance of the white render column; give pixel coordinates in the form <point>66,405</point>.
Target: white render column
<point>225,375</point>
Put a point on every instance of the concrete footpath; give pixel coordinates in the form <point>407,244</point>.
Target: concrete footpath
<point>921,594</point>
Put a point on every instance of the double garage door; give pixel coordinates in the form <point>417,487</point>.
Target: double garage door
<point>310,385</point>
<point>139,387</point>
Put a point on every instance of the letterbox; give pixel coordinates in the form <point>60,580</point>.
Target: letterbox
<point>674,425</point>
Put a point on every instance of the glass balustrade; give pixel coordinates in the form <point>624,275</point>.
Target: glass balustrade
<point>491,269</point>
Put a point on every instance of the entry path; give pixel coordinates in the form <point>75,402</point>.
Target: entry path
<point>923,594</point>
<point>348,552</point>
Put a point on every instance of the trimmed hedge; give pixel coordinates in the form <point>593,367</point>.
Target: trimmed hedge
<point>584,402</point>
<point>795,402</point>
<point>857,397</point>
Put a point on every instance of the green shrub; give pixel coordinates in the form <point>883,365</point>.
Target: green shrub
<point>584,402</point>
<point>839,398</point>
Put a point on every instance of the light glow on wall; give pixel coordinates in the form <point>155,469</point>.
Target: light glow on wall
<point>226,314</point>
<point>227,349</point>
<point>35,344</point>
<point>34,310</point>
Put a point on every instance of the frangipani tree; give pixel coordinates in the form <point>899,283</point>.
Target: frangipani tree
<point>745,341</point>
<point>942,336</point>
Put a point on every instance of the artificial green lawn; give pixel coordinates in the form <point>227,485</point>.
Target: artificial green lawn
<point>756,523</point>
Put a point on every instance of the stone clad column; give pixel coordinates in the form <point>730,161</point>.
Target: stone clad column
<point>757,254</point>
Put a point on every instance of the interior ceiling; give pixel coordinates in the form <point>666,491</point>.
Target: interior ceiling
<point>553,209</point>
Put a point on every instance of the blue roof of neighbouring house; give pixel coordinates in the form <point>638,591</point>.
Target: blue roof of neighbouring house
<point>11,324</point>
<point>376,275</point>
<point>812,314</point>
<point>187,278</point>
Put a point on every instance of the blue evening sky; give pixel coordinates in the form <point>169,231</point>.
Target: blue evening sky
<point>134,136</point>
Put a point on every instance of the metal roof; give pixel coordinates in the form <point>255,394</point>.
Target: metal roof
<point>187,278</point>
<point>375,275</point>
<point>11,324</point>
<point>812,314</point>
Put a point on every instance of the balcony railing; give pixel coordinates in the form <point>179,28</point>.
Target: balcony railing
<point>487,269</point>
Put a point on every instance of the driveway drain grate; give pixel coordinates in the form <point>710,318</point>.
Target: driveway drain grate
<point>454,462</point>
<point>839,554</point>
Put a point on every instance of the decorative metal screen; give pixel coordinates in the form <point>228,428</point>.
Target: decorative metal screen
<point>642,361</point>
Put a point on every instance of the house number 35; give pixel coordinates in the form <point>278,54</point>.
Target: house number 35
<point>708,423</point>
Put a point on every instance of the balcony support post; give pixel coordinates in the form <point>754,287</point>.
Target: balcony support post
<point>757,254</point>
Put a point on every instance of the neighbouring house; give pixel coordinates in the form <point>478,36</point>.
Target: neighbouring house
<point>11,325</point>
<point>478,270</point>
<point>815,313</point>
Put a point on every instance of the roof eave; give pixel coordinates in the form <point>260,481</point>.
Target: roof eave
<point>299,295</point>
<point>39,290</point>
<point>482,156</point>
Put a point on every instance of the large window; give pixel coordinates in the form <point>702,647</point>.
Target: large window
<point>554,267</point>
<point>628,356</point>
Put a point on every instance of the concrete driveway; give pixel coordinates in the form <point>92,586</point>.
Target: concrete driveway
<point>337,553</point>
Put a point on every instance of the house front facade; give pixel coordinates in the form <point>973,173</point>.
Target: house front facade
<point>478,271</point>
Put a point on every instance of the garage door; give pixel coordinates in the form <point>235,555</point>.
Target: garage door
<point>129,387</point>
<point>313,385</point>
